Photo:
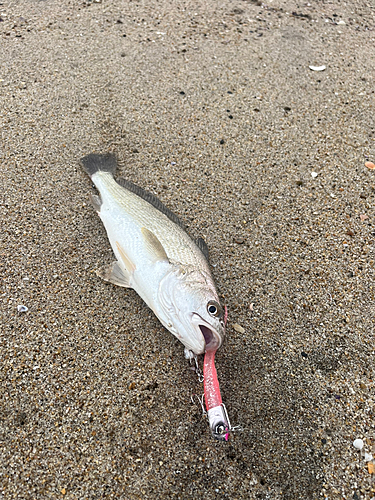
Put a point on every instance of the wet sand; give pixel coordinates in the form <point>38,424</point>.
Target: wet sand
<point>212,107</point>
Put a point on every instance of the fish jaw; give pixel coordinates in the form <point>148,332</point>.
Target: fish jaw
<point>191,337</point>
<point>196,334</point>
<point>212,337</point>
<point>191,330</point>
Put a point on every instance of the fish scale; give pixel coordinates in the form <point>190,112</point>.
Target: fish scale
<point>177,243</point>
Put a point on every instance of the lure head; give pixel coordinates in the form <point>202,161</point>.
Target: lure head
<point>219,423</point>
<point>189,307</point>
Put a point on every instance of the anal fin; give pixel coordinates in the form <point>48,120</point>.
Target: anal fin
<point>114,274</point>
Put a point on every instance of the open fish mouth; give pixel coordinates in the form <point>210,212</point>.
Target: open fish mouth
<point>207,334</point>
<point>211,337</point>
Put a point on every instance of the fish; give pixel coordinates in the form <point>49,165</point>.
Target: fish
<point>157,258</point>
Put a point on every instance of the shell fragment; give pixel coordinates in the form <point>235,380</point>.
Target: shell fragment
<point>317,68</point>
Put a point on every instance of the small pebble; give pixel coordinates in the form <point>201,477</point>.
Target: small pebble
<point>238,328</point>
<point>370,165</point>
<point>314,175</point>
<point>358,443</point>
<point>22,309</point>
<point>239,241</point>
<point>368,457</point>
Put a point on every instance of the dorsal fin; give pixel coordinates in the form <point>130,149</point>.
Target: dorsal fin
<point>202,245</point>
<point>150,198</point>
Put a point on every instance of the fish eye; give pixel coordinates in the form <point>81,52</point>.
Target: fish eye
<point>213,308</point>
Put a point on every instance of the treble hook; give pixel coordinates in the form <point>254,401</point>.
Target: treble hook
<point>197,370</point>
<point>236,428</point>
<point>200,400</point>
<point>190,355</point>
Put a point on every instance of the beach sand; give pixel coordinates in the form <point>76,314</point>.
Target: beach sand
<point>213,107</point>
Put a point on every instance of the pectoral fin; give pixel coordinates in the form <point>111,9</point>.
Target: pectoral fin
<point>115,274</point>
<point>153,246</point>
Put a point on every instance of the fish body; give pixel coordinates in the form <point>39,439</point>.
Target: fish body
<point>156,257</point>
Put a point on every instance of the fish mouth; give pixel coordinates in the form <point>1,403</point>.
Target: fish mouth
<point>207,334</point>
<point>211,337</point>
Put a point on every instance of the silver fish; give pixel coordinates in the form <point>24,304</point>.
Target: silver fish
<point>156,257</point>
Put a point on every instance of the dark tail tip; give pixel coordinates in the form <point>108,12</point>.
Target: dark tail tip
<point>93,163</point>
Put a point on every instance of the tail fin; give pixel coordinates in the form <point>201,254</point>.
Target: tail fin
<point>93,163</point>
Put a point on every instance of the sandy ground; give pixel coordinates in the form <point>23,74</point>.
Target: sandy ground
<point>213,107</point>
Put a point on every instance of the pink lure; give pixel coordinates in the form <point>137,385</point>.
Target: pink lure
<point>217,416</point>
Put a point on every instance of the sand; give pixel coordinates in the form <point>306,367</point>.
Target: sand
<point>213,107</point>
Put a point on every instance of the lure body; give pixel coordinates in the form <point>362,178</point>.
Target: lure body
<point>216,412</point>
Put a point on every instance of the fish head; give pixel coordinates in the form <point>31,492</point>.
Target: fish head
<point>191,309</point>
